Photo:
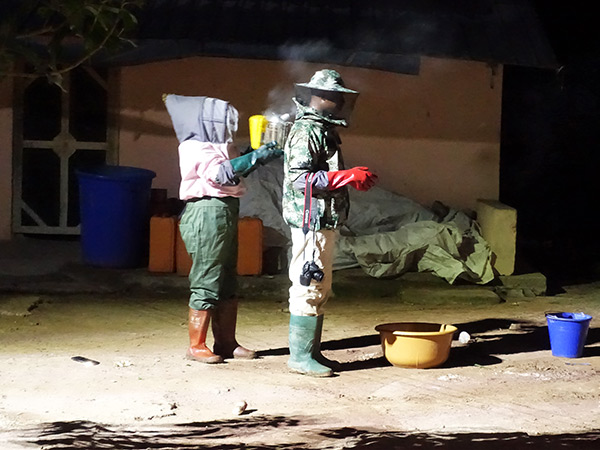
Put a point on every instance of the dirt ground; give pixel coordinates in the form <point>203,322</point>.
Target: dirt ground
<point>503,388</point>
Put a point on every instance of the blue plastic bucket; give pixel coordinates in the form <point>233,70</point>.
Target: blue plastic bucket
<point>115,215</point>
<point>568,332</point>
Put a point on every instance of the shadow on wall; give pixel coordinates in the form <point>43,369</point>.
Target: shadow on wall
<point>140,126</point>
<point>213,435</point>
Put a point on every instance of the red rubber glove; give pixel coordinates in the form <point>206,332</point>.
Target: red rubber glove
<point>359,178</point>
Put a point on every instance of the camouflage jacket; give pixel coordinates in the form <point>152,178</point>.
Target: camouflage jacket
<point>313,145</point>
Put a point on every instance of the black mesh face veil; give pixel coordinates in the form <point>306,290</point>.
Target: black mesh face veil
<point>213,121</point>
<point>328,84</point>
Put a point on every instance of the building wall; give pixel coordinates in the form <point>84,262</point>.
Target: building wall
<point>5,158</point>
<point>432,136</point>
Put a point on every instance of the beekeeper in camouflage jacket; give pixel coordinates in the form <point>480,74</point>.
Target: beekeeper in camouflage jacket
<point>314,169</point>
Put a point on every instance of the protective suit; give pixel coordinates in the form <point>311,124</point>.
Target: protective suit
<point>315,204</point>
<point>212,172</point>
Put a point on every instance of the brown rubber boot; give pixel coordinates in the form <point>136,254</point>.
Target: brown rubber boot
<point>223,326</point>
<point>198,327</point>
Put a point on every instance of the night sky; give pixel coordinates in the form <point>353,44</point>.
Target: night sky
<point>572,28</point>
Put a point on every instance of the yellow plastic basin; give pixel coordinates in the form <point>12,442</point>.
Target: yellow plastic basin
<point>416,344</point>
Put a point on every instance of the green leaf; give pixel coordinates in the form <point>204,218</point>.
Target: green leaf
<point>97,23</point>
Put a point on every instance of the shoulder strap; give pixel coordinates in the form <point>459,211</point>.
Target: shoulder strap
<point>307,203</point>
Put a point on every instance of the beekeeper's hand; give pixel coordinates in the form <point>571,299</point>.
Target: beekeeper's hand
<point>360,178</point>
<point>246,164</point>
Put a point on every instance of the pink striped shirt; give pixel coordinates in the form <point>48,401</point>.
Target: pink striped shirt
<point>199,164</point>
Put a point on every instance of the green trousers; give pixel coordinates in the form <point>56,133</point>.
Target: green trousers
<point>209,231</point>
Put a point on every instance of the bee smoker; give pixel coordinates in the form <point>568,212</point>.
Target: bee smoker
<point>277,129</point>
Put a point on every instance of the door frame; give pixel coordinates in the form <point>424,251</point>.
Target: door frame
<point>64,146</point>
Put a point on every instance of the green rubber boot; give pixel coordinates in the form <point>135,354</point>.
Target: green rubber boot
<point>317,355</point>
<point>303,341</point>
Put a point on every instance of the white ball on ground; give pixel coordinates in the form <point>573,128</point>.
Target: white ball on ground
<point>240,407</point>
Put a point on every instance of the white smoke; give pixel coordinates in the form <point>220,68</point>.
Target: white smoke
<point>298,55</point>
<point>280,104</point>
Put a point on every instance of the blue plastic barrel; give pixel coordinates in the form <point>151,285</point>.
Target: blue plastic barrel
<point>114,203</point>
<point>568,333</point>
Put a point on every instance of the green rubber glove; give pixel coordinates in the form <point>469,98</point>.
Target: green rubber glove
<point>246,164</point>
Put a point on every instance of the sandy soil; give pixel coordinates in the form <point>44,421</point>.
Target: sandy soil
<point>503,388</point>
